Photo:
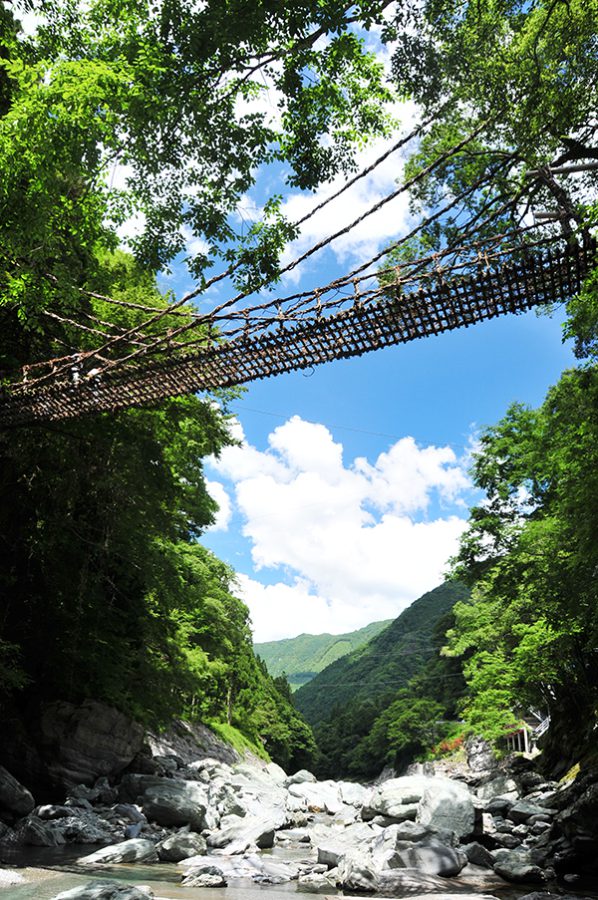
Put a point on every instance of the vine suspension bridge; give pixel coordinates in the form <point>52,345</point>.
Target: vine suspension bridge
<point>177,350</point>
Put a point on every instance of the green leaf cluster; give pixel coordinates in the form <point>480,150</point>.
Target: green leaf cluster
<point>163,112</point>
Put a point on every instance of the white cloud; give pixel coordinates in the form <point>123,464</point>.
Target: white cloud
<point>194,245</point>
<point>376,230</point>
<point>401,478</point>
<point>217,492</point>
<point>349,543</point>
<point>132,228</point>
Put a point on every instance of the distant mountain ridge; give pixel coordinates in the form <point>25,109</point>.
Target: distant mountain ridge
<point>302,657</point>
<point>383,665</point>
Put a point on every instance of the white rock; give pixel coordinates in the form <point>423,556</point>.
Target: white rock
<point>301,776</point>
<point>320,795</point>
<point>316,883</point>
<point>105,890</point>
<point>354,794</point>
<point>396,798</point>
<point>171,801</point>
<point>135,850</point>
<point>448,806</point>
<point>247,831</point>
<point>180,846</point>
<point>433,858</point>
<point>501,786</point>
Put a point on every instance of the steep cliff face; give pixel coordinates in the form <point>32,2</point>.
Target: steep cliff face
<point>571,740</point>
<point>62,744</point>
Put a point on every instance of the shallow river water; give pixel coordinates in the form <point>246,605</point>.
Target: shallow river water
<point>49,871</point>
<point>62,873</point>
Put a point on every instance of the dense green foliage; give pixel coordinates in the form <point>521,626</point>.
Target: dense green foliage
<point>302,657</point>
<point>523,76</point>
<point>106,592</point>
<point>176,96</point>
<point>121,108</point>
<point>390,700</point>
<point>532,553</point>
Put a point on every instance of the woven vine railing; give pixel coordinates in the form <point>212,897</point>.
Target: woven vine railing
<point>396,317</point>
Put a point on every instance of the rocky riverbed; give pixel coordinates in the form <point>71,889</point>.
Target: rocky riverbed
<point>183,824</point>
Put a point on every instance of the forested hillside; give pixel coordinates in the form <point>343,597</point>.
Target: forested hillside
<point>302,657</point>
<point>383,665</point>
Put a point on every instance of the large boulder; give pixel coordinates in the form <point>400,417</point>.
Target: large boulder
<point>204,876</point>
<point>174,803</point>
<point>354,794</point>
<point>385,845</point>
<point>316,883</point>
<point>357,873</point>
<point>33,832</point>
<point>447,806</point>
<point>77,826</point>
<point>190,742</point>
<point>255,866</point>
<point>332,843</point>
<point>433,858</point>
<point>319,795</point>
<point>500,786</point>
<point>180,846</point>
<point>82,743</point>
<point>300,777</point>
<point>518,867</point>
<point>480,755</point>
<point>238,833</point>
<point>523,810</point>
<point>135,850</point>
<point>15,800</point>
<point>478,855</point>
<point>397,798</point>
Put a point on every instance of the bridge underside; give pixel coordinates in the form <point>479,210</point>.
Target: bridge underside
<point>395,318</point>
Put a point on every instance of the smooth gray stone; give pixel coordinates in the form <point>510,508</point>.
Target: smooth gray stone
<point>181,846</point>
<point>478,855</point>
<point>105,890</point>
<point>433,858</point>
<point>14,797</point>
<point>136,850</point>
<point>204,876</point>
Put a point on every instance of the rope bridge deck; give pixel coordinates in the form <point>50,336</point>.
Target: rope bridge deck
<point>439,305</point>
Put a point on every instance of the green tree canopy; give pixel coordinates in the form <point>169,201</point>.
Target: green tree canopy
<point>522,77</point>
<point>531,552</point>
<point>124,108</point>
